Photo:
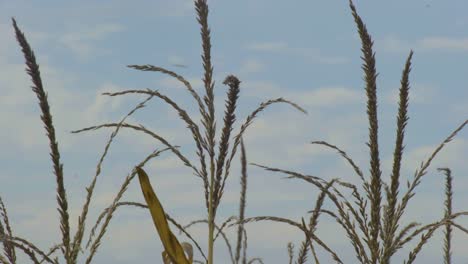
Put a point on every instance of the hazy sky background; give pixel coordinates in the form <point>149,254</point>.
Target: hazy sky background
<point>307,52</point>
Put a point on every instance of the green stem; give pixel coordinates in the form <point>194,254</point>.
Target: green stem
<point>211,217</point>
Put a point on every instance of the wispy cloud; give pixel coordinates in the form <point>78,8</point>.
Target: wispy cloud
<point>392,43</point>
<point>444,43</point>
<point>82,42</point>
<point>316,56</point>
<point>419,93</point>
<point>177,60</point>
<point>268,46</point>
<point>328,97</point>
<point>314,97</point>
<point>312,54</point>
<point>251,66</point>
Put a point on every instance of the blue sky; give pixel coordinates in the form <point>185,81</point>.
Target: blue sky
<point>307,52</point>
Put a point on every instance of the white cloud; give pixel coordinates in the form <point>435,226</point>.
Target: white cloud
<point>177,8</point>
<point>251,66</point>
<point>459,110</point>
<point>268,46</point>
<point>418,94</point>
<point>103,105</point>
<point>328,97</point>
<point>177,60</point>
<point>444,43</point>
<point>81,42</point>
<point>451,155</point>
<point>317,56</point>
<point>320,97</point>
<point>313,54</point>
<point>392,43</point>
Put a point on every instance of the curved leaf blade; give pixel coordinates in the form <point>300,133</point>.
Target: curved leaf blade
<point>169,241</point>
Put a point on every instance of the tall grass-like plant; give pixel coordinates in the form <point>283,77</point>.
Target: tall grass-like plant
<point>213,181</point>
<point>70,248</point>
<point>379,239</point>
<point>376,239</point>
<point>448,212</point>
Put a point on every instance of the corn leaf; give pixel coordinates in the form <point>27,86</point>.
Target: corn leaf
<point>188,250</point>
<point>169,241</point>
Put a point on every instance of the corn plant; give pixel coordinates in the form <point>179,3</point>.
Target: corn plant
<point>376,239</point>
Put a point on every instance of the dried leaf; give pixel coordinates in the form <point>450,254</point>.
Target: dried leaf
<point>172,246</point>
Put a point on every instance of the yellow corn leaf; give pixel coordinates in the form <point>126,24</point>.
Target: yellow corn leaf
<point>188,252</point>
<point>166,258</point>
<point>169,241</point>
